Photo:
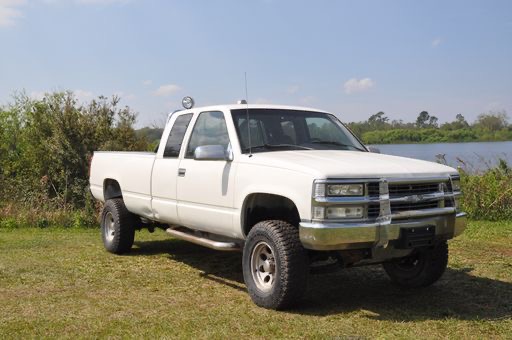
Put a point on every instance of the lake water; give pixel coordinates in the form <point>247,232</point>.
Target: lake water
<point>472,156</point>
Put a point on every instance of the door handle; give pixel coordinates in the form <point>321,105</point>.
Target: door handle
<point>181,172</point>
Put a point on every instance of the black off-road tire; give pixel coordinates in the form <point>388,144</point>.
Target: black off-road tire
<point>290,264</point>
<point>117,227</point>
<point>421,269</point>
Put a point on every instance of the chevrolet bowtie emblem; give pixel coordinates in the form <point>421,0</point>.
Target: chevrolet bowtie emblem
<point>414,198</point>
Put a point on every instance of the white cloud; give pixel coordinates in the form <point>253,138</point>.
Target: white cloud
<point>293,89</point>
<point>436,42</point>
<point>83,95</point>
<point>124,96</point>
<point>37,95</point>
<point>101,2</point>
<point>355,85</point>
<point>87,2</point>
<point>9,11</point>
<point>308,100</point>
<point>167,90</point>
<point>147,82</point>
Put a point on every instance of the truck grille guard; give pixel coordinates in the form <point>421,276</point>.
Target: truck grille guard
<point>388,199</point>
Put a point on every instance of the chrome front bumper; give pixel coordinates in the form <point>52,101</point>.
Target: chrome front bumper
<point>338,236</point>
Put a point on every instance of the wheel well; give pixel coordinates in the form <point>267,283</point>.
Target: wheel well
<point>260,207</point>
<point>111,189</point>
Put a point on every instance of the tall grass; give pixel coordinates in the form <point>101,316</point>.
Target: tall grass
<point>14,215</point>
<point>488,194</point>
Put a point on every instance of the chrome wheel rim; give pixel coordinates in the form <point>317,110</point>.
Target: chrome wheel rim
<point>263,266</point>
<point>109,226</point>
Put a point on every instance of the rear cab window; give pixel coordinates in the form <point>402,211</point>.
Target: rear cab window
<point>175,139</point>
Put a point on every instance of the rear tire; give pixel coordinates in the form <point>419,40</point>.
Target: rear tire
<point>117,227</point>
<point>275,265</point>
<point>421,269</point>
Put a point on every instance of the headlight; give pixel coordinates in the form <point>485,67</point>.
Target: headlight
<point>345,190</point>
<point>318,213</point>
<point>352,211</point>
<point>338,212</point>
<point>340,190</point>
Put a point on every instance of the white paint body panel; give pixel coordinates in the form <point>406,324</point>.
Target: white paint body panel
<point>132,170</point>
<point>206,196</point>
<point>211,195</point>
<point>163,183</point>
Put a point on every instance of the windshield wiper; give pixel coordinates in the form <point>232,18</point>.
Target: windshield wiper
<point>279,146</point>
<point>331,142</point>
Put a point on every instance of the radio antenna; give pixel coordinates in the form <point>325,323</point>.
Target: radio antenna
<point>247,114</point>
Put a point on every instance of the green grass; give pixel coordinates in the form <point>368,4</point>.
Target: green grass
<point>61,283</point>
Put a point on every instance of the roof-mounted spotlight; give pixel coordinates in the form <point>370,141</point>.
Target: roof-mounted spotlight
<point>243,101</point>
<point>187,102</point>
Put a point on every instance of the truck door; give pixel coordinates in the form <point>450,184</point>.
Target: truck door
<point>205,187</point>
<point>165,171</point>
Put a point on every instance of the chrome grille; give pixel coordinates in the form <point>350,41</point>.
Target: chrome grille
<point>406,189</point>
<point>412,193</point>
<point>400,207</point>
<point>373,210</point>
<point>373,189</point>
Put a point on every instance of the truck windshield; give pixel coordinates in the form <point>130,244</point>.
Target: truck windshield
<point>277,129</point>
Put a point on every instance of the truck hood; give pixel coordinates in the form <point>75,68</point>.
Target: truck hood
<point>349,164</point>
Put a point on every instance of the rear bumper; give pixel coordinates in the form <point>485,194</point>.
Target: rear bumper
<point>338,236</point>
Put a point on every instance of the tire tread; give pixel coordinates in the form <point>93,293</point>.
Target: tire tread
<point>434,268</point>
<point>124,225</point>
<point>293,270</point>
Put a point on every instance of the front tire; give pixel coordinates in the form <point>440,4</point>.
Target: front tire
<point>275,265</point>
<point>117,227</point>
<point>421,269</point>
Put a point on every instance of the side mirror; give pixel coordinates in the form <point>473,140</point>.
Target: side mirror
<point>213,153</point>
<point>373,149</point>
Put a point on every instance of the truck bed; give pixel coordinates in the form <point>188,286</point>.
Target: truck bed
<point>132,170</point>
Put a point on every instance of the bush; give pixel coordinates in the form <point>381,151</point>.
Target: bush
<point>488,195</point>
<point>45,149</point>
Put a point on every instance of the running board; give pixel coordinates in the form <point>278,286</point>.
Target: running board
<point>217,245</point>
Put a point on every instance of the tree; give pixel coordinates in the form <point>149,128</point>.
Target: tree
<point>492,121</point>
<point>378,120</point>
<point>459,118</point>
<point>432,122</point>
<point>422,119</point>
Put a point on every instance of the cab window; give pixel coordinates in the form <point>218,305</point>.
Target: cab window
<point>173,145</point>
<point>210,129</point>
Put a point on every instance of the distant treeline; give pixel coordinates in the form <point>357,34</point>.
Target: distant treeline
<point>378,129</point>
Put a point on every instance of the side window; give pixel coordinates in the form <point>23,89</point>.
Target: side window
<point>173,145</point>
<point>210,129</point>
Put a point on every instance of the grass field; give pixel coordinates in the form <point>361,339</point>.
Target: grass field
<point>61,283</point>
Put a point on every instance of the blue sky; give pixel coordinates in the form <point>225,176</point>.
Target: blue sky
<point>350,57</point>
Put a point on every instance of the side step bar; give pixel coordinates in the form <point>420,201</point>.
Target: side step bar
<point>217,245</point>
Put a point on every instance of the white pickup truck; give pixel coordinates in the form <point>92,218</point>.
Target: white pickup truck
<point>291,187</point>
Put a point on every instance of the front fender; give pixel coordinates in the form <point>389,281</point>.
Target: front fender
<point>295,186</point>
